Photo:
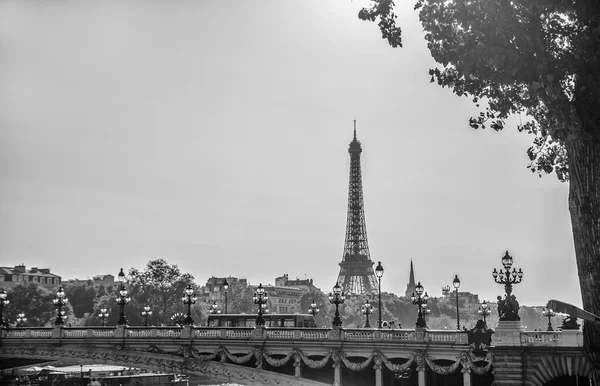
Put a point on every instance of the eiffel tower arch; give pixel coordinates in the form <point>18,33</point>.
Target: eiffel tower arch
<point>356,268</point>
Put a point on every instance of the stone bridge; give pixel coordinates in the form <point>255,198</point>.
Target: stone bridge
<point>305,356</point>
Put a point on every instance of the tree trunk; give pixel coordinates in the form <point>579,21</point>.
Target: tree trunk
<point>584,206</point>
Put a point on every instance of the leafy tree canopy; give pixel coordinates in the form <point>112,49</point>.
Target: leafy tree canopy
<point>540,59</point>
<point>162,285</point>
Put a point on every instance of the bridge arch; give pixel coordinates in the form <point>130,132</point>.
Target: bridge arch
<point>152,361</point>
<point>548,368</point>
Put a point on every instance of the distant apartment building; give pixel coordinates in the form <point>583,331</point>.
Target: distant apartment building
<point>305,284</point>
<point>13,276</point>
<point>467,297</point>
<point>105,280</point>
<point>283,299</point>
<point>213,290</point>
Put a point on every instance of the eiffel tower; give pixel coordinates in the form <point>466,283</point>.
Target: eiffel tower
<point>356,269</point>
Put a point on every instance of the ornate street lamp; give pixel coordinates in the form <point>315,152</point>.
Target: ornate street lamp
<point>337,297</point>
<point>189,298</point>
<point>260,297</point>
<point>367,309</point>
<point>421,302</point>
<point>508,308</point>
<point>146,313</point>
<point>214,309</point>
<point>507,277</point>
<point>379,274</point>
<point>313,310</point>
<point>456,284</point>
<point>103,314</point>
<point>549,313</point>
<point>484,311</point>
<point>225,288</point>
<point>21,319</point>
<point>3,302</point>
<point>59,301</point>
<point>123,299</point>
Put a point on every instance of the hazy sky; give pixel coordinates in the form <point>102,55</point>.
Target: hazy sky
<point>214,134</point>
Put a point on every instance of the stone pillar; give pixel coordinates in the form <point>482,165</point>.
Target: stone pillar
<point>297,366</point>
<point>337,374</point>
<point>56,332</point>
<point>378,373</point>
<point>466,377</point>
<point>508,333</point>
<point>186,332</point>
<point>335,333</point>
<point>258,333</point>
<point>508,366</point>
<point>421,368</point>
<point>121,331</point>
<point>337,368</point>
<point>422,377</point>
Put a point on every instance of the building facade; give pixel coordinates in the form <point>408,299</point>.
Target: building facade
<point>12,276</point>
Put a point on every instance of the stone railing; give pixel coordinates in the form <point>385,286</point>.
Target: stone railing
<point>565,338</point>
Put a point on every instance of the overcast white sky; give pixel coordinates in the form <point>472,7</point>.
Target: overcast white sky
<point>214,134</point>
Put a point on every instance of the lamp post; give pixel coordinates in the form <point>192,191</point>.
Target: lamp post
<point>507,277</point>
<point>189,298</point>
<point>59,301</point>
<point>456,284</point>
<point>549,313</point>
<point>379,274</point>
<point>484,311</point>
<point>313,310</point>
<point>146,313</point>
<point>260,297</point>
<point>214,309</point>
<point>367,309</point>
<point>3,302</point>
<point>21,319</point>
<point>123,299</point>
<point>81,375</point>
<point>225,288</point>
<point>103,314</point>
<point>508,308</point>
<point>337,297</point>
<point>421,302</point>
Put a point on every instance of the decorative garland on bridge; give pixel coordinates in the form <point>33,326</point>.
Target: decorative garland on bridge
<point>466,359</point>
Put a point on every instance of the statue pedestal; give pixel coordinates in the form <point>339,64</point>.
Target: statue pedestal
<point>508,333</point>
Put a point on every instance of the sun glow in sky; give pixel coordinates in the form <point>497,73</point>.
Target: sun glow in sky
<point>214,134</point>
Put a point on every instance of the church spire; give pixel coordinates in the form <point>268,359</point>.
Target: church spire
<point>410,287</point>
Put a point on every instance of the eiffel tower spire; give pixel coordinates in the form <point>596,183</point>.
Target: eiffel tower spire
<point>356,268</point>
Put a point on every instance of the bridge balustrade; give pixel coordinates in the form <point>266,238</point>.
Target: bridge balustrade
<point>565,338</point>
<point>552,338</point>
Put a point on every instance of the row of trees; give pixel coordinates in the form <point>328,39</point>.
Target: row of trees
<point>161,286</point>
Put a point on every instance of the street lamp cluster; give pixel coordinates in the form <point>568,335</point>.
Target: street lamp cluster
<point>313,310</point>
<point>189,298</point>
<point>214,309</point>
<point>421,303</point>
<point>337,297</point>
<point>123,299</point>
<point>21,320</point>
<point>549,313</point>
<point>59,301</point>
<point>507,277</point>
<point>367,309</point>
<point>379,274</point>
<point>146,313</point>
<point>103,315</point>
<point>484,311</point>
<point>3,302</point>
<point>508,308</point>
<point>260,297</point>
